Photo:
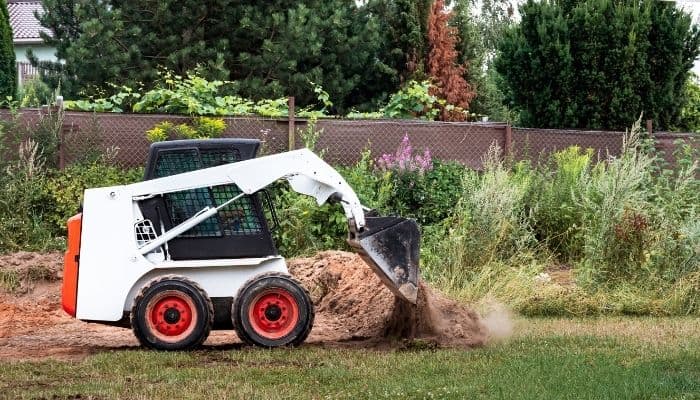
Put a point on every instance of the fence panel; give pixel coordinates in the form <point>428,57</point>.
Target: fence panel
<point>125,134</point>
<point>84,135</point>
<point>344,140</point>
<point>537,144</point>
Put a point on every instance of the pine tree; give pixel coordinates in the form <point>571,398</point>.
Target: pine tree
<point>442,63</point>
<point>272,49</point>
<point>282,48</point>
<point>8,68</point>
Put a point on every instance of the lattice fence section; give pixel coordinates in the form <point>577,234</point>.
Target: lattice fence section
<point>343,141</point>
<point>123,137</point>
<point>537,144</point>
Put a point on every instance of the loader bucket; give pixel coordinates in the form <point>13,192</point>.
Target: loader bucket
<point>391,247</point>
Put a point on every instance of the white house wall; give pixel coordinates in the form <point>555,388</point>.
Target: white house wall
<point>43,53</point>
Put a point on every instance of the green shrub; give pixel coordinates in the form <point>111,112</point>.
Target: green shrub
<point>421,188</point>
<point>427,197</point>
<point>690,113</point>
<point>373,188</point>
<point>35,93</point>
<point>160,132</point>
<point>627,228</point>
<point>488,225</point>
<point>66,188</point>
<point>44,133</point>
<point>557,217</point>
<point>191,94</point>
<point>413,101</point>
<point>184,131</point>
<point>201,128</point>
<point>305,227</point>
<point>639,226</point>
<point>209,127</point>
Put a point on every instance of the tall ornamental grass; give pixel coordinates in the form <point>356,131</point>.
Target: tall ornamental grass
<point>573,236</point>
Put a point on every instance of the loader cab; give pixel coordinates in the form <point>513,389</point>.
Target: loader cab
<point>239,230</point>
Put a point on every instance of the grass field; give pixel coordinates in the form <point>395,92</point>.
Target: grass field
<point>609,358</point>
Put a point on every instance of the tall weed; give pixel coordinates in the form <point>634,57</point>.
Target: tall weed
<point>639,226</point>
<point>23,202</point>
<point>557,216</point>
<point>489,227</point>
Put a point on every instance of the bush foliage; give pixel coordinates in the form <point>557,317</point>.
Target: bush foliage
<point>200,128</point>
<point>572,236</point>
<point>598,63</point>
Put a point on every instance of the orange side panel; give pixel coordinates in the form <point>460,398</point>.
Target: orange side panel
<point>69,291</point>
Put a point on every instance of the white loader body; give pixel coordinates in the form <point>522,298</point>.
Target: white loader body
<point>114,265</point>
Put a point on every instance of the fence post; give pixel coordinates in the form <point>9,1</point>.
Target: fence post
<point>650,127</point>
<point>61,134</point>
<point>290,118</point>
<point>508,141</point>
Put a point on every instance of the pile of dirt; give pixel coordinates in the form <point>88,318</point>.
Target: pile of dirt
<point>22,270</point>
<point>32,322</point>
<point>353,304</point>
<point>353,308</point>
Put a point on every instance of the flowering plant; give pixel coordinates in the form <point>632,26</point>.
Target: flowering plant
<point>405,161</point>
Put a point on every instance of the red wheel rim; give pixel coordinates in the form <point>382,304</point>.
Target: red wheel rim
<point>171,316</point>
<point>273,314</point>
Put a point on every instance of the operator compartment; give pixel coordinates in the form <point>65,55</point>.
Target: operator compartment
<point>238,230</point>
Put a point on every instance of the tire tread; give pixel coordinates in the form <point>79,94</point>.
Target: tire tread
<point>144,290</point>
<point>235,312</point>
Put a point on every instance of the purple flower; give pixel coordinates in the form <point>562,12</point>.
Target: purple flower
<point>404,160</point>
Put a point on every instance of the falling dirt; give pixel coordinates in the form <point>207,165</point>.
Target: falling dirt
<point>353,309</point>
<point>498,321</point>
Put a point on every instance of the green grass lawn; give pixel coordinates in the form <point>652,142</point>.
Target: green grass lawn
<point>610,358</point>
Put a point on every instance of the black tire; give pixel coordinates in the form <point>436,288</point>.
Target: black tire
<point>273,310</point>
<point>172,313</point>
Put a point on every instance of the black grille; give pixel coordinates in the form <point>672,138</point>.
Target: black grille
<point>177,162</point>
<point>238,218</point>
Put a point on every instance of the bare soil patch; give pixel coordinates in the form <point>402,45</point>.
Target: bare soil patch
<point>353,309</point>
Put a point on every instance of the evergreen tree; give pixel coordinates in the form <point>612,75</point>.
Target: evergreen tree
<point>442,63</point>
<point>597,63</point>
<point>8,68</point>
<point>271,49</point>
<point>479,32</point>
<point>404,34</point>
<point>280,48</point>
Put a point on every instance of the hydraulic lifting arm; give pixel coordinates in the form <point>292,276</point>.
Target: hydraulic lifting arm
<point>305,172</point>
<point>389,244</point>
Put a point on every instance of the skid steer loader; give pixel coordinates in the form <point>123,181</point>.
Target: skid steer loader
<point>189,249</point>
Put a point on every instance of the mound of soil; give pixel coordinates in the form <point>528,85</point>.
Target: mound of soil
<point>353,308</point>
<point>353,304</point>
<point>31,268</point>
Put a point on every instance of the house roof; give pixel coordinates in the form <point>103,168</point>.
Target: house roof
<point>25,26</point>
